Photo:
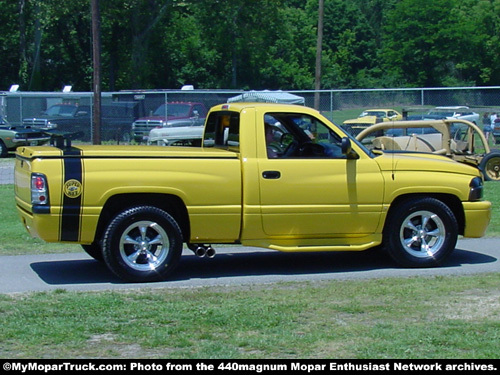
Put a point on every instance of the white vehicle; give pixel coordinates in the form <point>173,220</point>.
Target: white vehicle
<point>458,112</point>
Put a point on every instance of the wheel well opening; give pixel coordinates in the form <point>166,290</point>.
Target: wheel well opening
<point>171,204</point>
<point>451,201</point>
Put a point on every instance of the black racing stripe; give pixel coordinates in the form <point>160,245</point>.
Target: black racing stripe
<point>71,210</point>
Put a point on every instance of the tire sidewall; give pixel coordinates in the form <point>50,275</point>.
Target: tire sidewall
<point>392,241</point>
<point>94,250</point>
<point>115,230</point>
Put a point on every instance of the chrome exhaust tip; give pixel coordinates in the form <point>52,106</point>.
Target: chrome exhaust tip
<point>210,253</point>
<point>200,251</point>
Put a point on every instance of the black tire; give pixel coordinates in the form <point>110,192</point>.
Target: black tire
<point>420,232</point>
<point>94,250</point>
<point>490,166</point>
<point>3,150</point>
<point>142,244</point>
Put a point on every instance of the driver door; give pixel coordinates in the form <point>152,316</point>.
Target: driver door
<point>310,194</point>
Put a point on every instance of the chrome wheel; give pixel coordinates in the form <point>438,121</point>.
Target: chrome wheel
<point>144,245</point>
<point>422,234</point>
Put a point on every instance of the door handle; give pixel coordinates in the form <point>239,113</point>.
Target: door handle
<point>271,175</point>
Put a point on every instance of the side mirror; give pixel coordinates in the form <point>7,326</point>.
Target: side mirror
<point>347,149</point>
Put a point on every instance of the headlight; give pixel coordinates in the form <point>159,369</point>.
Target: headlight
<point>476,189</point>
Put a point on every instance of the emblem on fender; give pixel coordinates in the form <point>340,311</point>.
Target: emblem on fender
<point>72,188</point>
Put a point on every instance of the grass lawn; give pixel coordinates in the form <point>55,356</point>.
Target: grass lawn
<point>424,317</point>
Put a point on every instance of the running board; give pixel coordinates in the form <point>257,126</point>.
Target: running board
<point>359,247</point>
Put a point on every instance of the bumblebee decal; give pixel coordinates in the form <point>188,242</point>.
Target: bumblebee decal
<point>72,188</point>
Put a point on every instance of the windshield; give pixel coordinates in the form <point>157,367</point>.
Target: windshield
<point>373,113</point>
<point>61,110</point>
<point>173,110</point>
<point>442,113</point>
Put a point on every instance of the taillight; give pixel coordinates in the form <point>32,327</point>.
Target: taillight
<point>39,189</point>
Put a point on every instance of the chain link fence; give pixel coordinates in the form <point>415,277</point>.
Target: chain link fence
<point>72,111</point>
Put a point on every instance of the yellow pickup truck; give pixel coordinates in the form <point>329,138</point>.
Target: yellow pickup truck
<point>276,176</point>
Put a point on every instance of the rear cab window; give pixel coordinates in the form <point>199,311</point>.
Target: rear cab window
<point>223,130</point>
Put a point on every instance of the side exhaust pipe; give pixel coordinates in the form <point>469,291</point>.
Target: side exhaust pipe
<point>202,250</point>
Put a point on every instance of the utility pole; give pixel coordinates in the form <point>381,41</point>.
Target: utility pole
<point>96,58</point>
<point>319,47</point>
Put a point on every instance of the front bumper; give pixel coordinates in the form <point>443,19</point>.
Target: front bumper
<point>477,218</point>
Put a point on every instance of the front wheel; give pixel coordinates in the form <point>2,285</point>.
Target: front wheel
<point>94,250</point>
<point>3,150</point>
<point>142,244</point>
<point>421,232</point>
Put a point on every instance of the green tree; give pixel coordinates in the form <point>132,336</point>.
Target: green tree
<point>349,45</point>
<point>251,44</point>
<point>478,61</point>
<point>421,41</point>
<point>65,44</point>
<point>12,46</point>
<point>288,59</point>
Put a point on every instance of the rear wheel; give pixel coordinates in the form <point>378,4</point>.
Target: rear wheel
<point>142,244</point>
<point>421,232</point>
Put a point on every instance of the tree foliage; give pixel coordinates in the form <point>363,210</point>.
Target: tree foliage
<point>250,44</point>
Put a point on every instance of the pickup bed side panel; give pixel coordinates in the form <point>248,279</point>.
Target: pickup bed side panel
<point>209,188</point>
<point>208,185</point>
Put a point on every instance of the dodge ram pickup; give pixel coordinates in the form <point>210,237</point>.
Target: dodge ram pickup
<point>276,176</point>
<point>116,120</point>
<point>169,118</point>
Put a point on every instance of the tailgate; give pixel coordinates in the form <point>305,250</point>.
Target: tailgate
<point>22,183</point>
<point>26,159</point>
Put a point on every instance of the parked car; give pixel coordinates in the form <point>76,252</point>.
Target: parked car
<point>356,125</point>
<point>461,140</point>
<point>116,120</point>
<point>11,137</point>
<point>370,117</point>
<point>458,112</point>
<point>178,114</point>
<point>383,114</point>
